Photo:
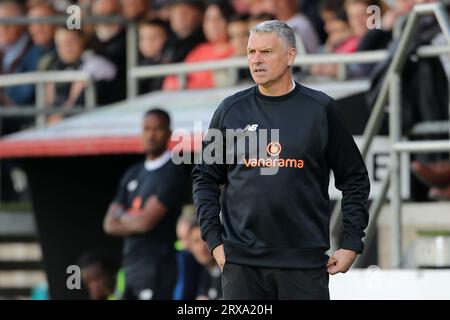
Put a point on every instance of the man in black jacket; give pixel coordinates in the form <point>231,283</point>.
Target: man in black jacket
<point>144,212</point>
<point>186,23</point>
<point>273,233</point>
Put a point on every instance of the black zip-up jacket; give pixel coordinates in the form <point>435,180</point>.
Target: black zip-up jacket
<point>282,220</point>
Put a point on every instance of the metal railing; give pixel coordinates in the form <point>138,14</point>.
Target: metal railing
<point>40,79</point>
<point>230,64</point>
<point>392,86</point>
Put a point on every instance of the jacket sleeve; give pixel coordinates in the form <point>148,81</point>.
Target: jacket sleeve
<point>351,177</point>
<point>207,178</point>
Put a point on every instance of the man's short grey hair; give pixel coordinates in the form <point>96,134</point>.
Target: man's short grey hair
<point>283,31</point>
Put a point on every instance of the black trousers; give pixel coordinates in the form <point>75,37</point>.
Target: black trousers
<point>240,282</point>
<point>150,279</point>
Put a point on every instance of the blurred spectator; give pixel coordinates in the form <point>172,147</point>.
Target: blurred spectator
<point>373,39</point>
<point>59,6</point>
<point>98,273</point>
<point>189,270</point>
<point>145,211</point>
<point>435,175</point>
<point>137,9</point>
<point>153,36</point>
<point>215,29</point>
<point>257,7</point>
<point>210,285</point>
<point>340,38</point>
<point>185,19</point>
<point>238,33</point>
<point>421,100</point>
<point>16,56</point>
<point>158,4</point>
<point>241,6</point>
<point>399,9</point>
<point>163,9</point>
<point>42,35</point>
<point>86,10</point>
<point>358,15</point>
<point>288,11</point>
<point>109,41</point>
<point>254,20</point>
<point>310,8</point>
<point>71,55</point>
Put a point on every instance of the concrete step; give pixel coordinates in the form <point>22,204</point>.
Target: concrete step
<point>21,278</point>
<point>20,256</point>
<point>20,251</point>
<point>431,218</point>
<point>15,223</point>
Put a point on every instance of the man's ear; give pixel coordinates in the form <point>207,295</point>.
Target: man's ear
<point>292,53</point>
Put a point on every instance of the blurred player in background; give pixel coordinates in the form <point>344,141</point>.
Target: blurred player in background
<point>145,211</point>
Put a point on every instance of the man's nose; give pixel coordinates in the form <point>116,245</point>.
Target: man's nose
<point>256,59</point>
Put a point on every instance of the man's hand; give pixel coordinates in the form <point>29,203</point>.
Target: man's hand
<point>341,261</point>
<point>219,255</point>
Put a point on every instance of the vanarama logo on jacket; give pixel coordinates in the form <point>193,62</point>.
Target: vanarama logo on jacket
<point>274,149</point>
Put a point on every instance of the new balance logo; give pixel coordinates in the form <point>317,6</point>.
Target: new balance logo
<point>250,127</point>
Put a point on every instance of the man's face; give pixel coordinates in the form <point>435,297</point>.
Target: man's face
<point>357,18</point>
<point>9,33</point>
<point>199,248</point>
<point>41,34</point>
<point>333,25</point>
<point>151,40</point>
<point>184,19</point>
<point>69,45</point>
<point>95,280</point>
<point>268,57</point>
<point>155,135</point>
<point>106,8</point>
<point>215,25</point>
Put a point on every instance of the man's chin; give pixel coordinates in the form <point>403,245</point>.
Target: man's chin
<point>154,151</point>
<point>260,82</point>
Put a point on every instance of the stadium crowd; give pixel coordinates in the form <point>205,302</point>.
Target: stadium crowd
<point>175,31</point>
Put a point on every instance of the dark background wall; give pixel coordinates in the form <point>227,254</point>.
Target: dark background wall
<point>70,198</point>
